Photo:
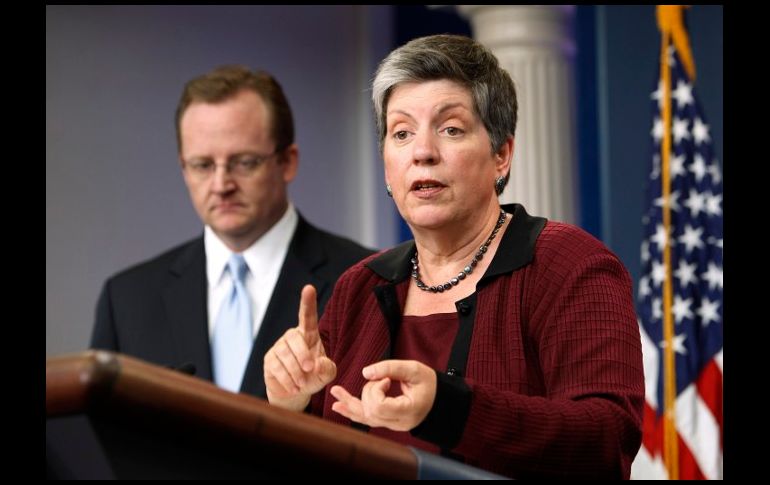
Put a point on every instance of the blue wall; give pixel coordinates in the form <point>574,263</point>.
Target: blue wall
<point>586,95</point>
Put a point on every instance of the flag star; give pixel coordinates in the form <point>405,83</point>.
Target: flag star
<point>716,175</point>
<point>696,202</point>
<point>683,94</point>
<point>708,311</point>
<point>658,273</point>
<point>645,251</point>
<point>657,309</point>
<point>655,167</point>
<point>716,242</point>
<point>680,130</point>
<point>660,237</point>
<point>713,204</point>
<point>658,95</point>
<point>698,167</point>
<point>673,196</point>
<point>691,238</point>
<point>644,287</point>
<point>677,344</point>
<point>676,165</point>
<point>700,132</point>
<point>681,309</point>
<point>686,273</point>
<point>713,275</point>
<point>657,130</point>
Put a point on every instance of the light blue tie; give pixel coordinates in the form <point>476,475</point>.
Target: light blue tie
<point>232,341</point>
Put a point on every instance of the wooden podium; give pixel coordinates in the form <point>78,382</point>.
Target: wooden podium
<point>113,416</point>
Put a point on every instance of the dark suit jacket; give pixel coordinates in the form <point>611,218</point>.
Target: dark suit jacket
<point>157,310</point>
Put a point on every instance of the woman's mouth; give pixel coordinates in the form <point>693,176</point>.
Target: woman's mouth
<point>426,188</point>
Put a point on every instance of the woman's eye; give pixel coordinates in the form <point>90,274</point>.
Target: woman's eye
<point>400,135</point>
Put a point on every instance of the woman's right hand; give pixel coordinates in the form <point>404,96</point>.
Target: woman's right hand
<point>296,366</point>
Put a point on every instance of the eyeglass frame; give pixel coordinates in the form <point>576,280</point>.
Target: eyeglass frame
<point>234,165</point>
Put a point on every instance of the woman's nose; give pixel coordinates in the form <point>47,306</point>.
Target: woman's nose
<point>425,148</point>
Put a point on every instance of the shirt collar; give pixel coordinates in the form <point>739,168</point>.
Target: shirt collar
<point>517,248</point>
<point>264,252</point>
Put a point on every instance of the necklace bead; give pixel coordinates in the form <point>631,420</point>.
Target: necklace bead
<point>462,274</point>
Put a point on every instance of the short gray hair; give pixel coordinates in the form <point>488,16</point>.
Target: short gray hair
<point>456,58</point>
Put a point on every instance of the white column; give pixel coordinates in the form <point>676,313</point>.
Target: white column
<point>535,44</point>
<point>375,224</point>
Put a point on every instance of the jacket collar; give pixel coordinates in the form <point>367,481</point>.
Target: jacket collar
<point>516,250</point>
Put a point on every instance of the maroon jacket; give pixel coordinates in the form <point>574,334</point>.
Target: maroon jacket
<point>545,376</point>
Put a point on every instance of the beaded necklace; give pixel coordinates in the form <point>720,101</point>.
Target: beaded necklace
<point>462,274</point>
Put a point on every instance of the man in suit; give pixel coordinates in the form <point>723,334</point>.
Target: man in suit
<point>237,154</point>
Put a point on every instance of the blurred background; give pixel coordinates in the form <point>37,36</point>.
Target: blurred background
<point>114,74</point>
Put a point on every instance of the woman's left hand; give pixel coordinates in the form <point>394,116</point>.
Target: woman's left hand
<point>376,409</point>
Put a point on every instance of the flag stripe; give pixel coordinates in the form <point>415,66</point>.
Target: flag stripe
<point>688,468</point>
<point>710,390</point>
<point>651,359</point>
<point>648,467</point>
<point>699,431</point>
<point>652,433</point>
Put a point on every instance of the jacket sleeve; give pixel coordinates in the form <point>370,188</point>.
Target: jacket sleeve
<point>587,423</point>
<point>103,335</point>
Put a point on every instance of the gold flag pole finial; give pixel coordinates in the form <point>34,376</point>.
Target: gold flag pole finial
<point>671,20</point>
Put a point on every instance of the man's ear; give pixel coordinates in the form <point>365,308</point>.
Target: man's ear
<point>290,162</point>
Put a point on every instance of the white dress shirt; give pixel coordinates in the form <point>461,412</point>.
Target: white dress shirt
<point>265,259</point>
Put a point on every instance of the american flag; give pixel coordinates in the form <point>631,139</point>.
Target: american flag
<point>692,446</point>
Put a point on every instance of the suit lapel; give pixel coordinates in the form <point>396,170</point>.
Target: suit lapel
<point>185,301</point>
<point>304,255</point>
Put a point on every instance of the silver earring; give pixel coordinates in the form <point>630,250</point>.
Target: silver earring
<point>389,190</point>
<point>499,184</point>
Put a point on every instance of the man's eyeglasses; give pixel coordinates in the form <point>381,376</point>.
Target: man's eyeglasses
<point>240,166</point>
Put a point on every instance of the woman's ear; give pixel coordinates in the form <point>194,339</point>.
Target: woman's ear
<point>504,156</point>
